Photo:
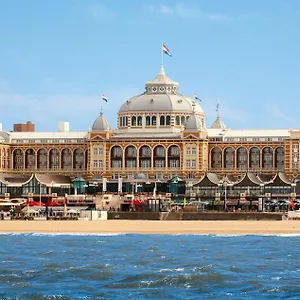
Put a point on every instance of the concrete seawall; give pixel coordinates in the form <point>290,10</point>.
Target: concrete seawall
<point>195,216</point>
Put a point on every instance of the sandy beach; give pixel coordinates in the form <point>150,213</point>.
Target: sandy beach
<point>152,227</point>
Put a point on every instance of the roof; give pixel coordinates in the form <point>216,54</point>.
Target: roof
<point>161,96</point>
<point>48,135</point>
<point>209,179</point>
<point>53,180</point>
<point>249,179</point>
<point>101,123</point>
<point>193,123</point>
<point>162,78</point>
<point>160,103</point>
<point>218,124</point>
<point>247,133</point>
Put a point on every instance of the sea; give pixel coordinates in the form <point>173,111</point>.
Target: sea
<point>129,266</point>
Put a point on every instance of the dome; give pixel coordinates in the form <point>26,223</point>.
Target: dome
<point>161,96</point>
<point>159,103</point>
<point>101,123</point>
<point>193,124</point>
<point>4,137</point>
<point>218,124</point>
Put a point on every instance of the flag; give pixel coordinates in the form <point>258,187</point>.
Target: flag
<point>104,184</point>
<point>104,98</point>
<point>196,97</point>
<point>120,184</point>
<point>292,203</point>
<point>166,50</point>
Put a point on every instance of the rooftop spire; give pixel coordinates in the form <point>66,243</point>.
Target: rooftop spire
<point>218,109</point>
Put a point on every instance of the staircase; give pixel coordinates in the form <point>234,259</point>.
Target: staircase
<point>171,215</point>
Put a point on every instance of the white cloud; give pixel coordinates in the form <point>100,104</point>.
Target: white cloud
<point>277,112</point>
<point>184,12</point>
<point>45,111</point>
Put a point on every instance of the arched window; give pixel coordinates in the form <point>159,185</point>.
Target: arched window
<point>279,158</point>
<point>18,159</point>
<point>139,121</point>
<point>154,120</point>
<point>162,120</point>
<point>182,120</point>
<point>42,157</point>
<point>66,159</point>
<point>254,158</point>
<point>116,155</point>
<point>121,122</point>
<point>130,157</point>
<point>168,120</point>
<point>174,157</point>
<point>216,158</point>
<point>29,159</point>
<point>267,158</point>
<point>133,121</point>
<point>177,120</point>
<point>242,158</point>
<point>229,158</point>
<point>148,121</point>
<point>54,159</point>
<point>78,159</point>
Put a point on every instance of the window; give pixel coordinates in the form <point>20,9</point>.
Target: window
<point>139,121</point>
<point>193,163</point>
<point>188,151</point>
<point>194,151</point>
<point>100,164</point>
<point>145,163</point>
<point>162,120</point>
<point>131,164</point>
<point>95,164</point>
<point>188,164</point>
<point>148,121</point>
<point>116,164</point>
<point>159,176</point>
<point>160,163</point>
<point>154,120</point>
<point>174,163</point>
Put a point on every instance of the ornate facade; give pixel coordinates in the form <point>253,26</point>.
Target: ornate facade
<point>161,133</point>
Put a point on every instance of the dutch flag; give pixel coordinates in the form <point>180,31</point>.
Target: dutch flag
<point>166,50</point>
<point>104,98</point>
<point>196,97</point>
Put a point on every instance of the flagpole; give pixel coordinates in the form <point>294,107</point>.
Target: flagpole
<point>162,55</point>
<point>101,107</point>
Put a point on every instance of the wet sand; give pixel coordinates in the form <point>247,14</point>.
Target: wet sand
<point>153,227</point>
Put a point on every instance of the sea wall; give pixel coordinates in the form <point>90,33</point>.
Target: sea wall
<point>195,216</point>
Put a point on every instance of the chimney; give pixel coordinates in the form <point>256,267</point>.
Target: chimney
<point>63,126</point>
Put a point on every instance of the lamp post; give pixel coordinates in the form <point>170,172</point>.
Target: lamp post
<point>40,194</point>
<point>85,188</point>
<point>261,204</point>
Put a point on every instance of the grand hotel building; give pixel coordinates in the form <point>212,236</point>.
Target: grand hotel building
<point>160,133</point>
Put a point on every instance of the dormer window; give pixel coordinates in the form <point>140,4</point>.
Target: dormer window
<point>180,101</point>
<point>154,89</point>
<point>162,89</point>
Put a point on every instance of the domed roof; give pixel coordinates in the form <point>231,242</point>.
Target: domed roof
<point>161,96</point>
<point>4,137</point>
<point>193,124</point>
<point>101,123</point>
<point>218,124</point>
<point>160,102</point>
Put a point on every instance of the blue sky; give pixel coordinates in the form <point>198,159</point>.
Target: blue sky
<point>57,57</point>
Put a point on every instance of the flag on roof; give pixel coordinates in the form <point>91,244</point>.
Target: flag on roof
<point>196,97</point>
<point>166,50</point>
<point>104,98</point>
<point>292,203</point>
